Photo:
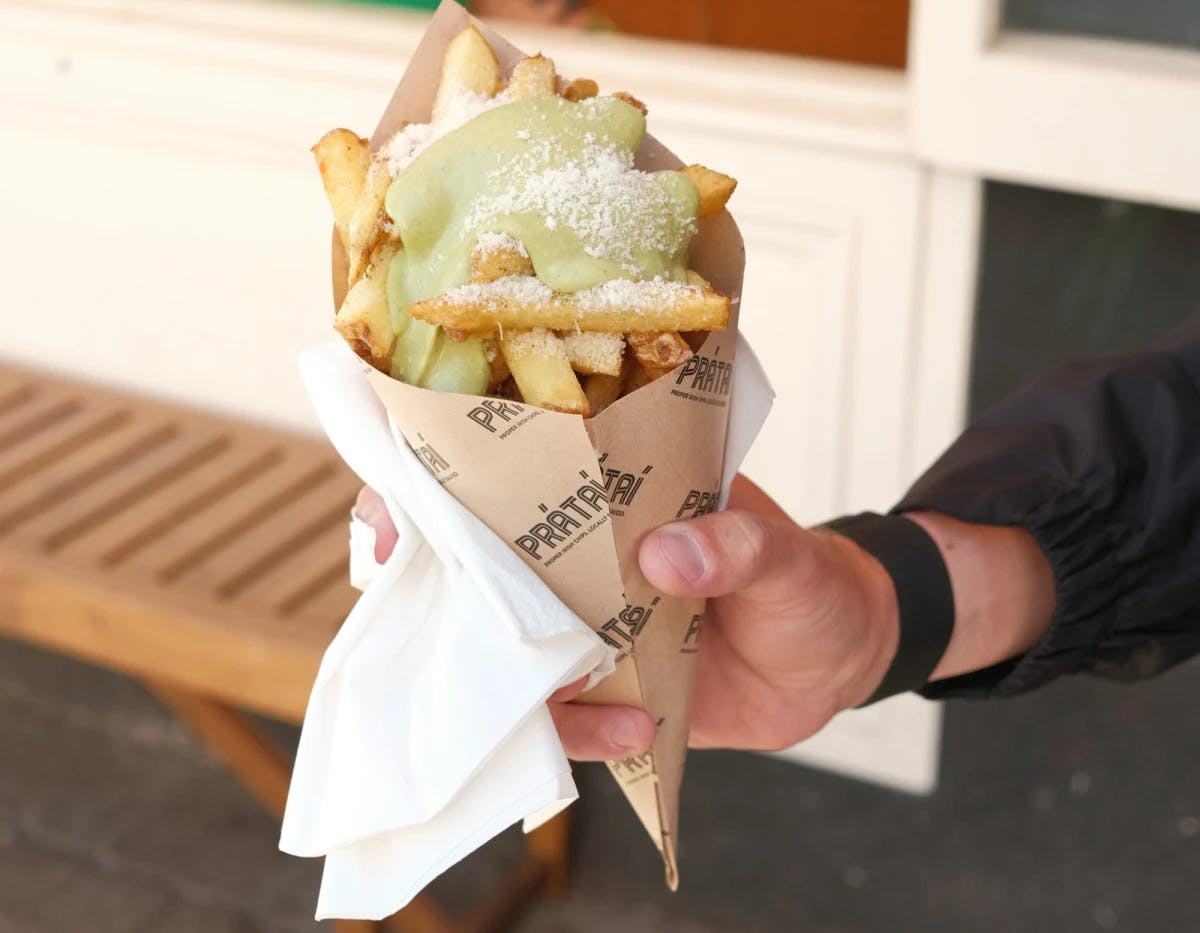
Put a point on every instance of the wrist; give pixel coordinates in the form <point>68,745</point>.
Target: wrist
<point>877,638</point>
<point>1003,591</point>
<point>918,585</point>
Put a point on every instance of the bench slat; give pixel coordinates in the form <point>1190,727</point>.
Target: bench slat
<point>290,585</point>
<point>73,475</point>
<point>120,536</point>
<point>59,440</point>
<point>169,462</point>
<point>242,559</point>
<point>169,543</point>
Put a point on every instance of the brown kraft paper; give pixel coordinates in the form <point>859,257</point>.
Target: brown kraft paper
<point>574,497</point>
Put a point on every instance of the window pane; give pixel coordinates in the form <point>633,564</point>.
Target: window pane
<point>1065,275</point>
<point>1164,22</point>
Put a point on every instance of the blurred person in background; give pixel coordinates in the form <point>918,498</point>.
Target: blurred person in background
<point>546,12</point>
<point>551,12</point>
<point>1060,533</point>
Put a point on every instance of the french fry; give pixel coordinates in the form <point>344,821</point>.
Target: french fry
<point>561,351</point>
<point>500,370</point>
<point>659,353</point>
<point>508,389</point>
<point>343,159</point>
<point>470,65</point>
<point>366,226</point>
<point>594,352</point>
<point>497,257</point>
<point>531,77</point>
<point>632,101</point>
<point>539,364</point>
<point>580,89</point>
<point>601,391</point>
<point>465,309</point>
<point>635,378</point>
<point>364,319</point>
<point>715,189</point>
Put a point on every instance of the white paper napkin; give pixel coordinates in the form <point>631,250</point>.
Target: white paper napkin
<point>427,731</point>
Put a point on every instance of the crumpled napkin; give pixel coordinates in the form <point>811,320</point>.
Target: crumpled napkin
<point>427,731</point>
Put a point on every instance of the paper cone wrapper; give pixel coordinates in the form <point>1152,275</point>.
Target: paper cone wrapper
<point>573,497</point>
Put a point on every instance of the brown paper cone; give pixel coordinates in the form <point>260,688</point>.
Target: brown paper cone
<point>573,497</point>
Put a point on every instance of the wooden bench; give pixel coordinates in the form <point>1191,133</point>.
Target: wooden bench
<point>205,557</point>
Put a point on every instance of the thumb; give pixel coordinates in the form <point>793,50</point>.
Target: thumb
<point>721,553</point>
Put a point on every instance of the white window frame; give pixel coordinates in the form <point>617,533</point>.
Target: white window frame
<point>1097,116</point>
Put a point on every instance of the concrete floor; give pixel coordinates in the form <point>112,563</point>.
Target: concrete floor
<point>1077,809</point>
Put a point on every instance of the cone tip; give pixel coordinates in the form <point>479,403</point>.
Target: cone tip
<point>672,872</point>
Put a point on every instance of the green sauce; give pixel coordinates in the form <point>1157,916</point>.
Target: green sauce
<point>556,176</point>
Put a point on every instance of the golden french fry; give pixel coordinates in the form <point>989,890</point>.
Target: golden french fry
<point>659,353</point>
<point>601,391</point>
<point>498,305</point>
<point>496,256</point>
<point>531,77</point>
<point>539,364</point>
<point>632,101</point>
<point>364,319</point>
<point>635,378</point>
<point>715,188</point>
<point>508,389</point>
<point>580,89</point>
<point>500,370</point>
<point>592,352</point>
<point>470,65</point>
<point>343,159</point>
<point>366,227</point>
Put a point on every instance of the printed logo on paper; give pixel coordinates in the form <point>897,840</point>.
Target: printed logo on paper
<point>698,502</point>
<point>691,641</point>
<point>621,486</point>
<point>438,465</point>
<point>705,379</point>
<point>621,630</point>
<point>501,417</point>
<point>560,527</point>
<point>632,770</point>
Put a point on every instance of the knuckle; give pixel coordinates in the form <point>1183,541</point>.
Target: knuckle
<point>749,546</point>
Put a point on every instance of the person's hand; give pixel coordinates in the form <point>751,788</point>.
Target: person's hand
<point>801,626</point>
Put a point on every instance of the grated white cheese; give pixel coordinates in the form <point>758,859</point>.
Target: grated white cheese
<point>638,296</point>
<point>461,107</point>
<point>500,243</point>
<point>614,209</point>
<point>616,294</point>
<point>526,289</point>
<point>538,341</point>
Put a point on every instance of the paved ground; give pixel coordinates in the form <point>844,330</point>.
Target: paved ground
<point>1075,810</point>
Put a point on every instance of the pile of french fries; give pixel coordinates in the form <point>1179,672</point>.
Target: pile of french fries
<point>552,351</point>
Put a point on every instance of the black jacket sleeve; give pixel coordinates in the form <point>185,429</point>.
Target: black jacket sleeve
<point>1101,463</point>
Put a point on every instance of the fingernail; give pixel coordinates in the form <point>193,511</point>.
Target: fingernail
<point>368,507</point>
<point>682,552</point>
<point>625,736</point>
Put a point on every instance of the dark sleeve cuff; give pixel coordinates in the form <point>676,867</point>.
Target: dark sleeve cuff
<point>1087,580</point>
<point>924,597</point>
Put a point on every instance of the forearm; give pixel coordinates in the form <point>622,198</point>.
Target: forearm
<point>1003,591</point>
<point>1099,463</point>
